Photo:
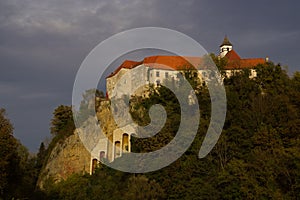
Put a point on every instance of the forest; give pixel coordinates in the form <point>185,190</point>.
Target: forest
<point>256,157</point>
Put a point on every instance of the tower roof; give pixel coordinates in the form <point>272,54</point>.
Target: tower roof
<point>226,42</point>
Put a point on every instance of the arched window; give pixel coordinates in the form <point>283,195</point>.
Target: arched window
<point>94,164</point>
<point>125,142</point>
<point>117,149</point>
<point>102,155</point>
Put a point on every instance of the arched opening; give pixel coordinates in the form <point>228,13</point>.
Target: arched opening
<point>125,142</point>
<point>94,164</point>
<point>117,149</point>
<point>102,155</point>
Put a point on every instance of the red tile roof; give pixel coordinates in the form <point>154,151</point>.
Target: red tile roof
<point>234,61</point>
<point>127,64</point>
<point>161,62</point>
<point>171,62</point>
<point>232,55</point>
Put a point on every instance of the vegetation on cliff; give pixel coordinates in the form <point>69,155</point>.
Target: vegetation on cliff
<point>256,157</point>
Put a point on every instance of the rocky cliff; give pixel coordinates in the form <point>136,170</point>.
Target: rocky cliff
<point>71,155</point>
<point>67,157</point>
<point>75,153</point>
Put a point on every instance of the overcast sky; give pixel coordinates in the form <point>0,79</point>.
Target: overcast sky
<point>43,42</point>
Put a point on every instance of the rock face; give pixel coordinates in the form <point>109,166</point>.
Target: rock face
<point>67,157</point>
<point>98,136</point>
<point>75,153</point>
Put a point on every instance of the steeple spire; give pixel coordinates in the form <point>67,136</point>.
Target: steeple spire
<point>226,42</point>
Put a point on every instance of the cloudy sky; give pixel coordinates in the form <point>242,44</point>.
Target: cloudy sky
<point>43,42</point>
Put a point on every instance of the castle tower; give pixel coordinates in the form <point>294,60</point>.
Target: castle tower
<point>225,47</point>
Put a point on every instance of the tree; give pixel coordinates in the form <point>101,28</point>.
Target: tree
<point>62,121</point>
<point>140,187</point>
<point>9,159</point>
<point>41,155</point>
<point>220,63</point>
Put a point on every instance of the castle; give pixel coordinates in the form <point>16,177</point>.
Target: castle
<point>154,70</point>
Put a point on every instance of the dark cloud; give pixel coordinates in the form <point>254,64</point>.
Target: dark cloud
<point>42,43</point>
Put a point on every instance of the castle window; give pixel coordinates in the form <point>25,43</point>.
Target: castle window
<point>157,74</point>
<point>158,82</point>
<point>102,155</point>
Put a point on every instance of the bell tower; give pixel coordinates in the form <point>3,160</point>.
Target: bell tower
<point>225,47</point>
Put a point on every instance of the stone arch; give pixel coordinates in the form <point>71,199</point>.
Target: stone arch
<point>102,155</point>
<point>117,149</point>
<point>125,142</point>
<point>94,164</point>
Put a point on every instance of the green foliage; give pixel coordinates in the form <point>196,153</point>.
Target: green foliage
<point>40,158</point>
<point>18,169</point>
<point>62,121</point>
<point>169,130</point>
<point>105,183</point>
<point>257,155</point>
<point>9,158</point>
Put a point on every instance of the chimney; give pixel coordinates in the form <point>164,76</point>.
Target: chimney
<point>267,59</point>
